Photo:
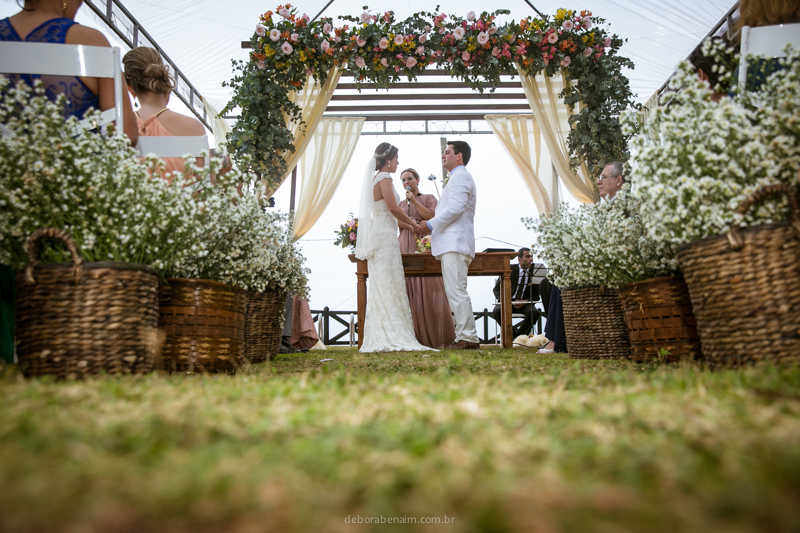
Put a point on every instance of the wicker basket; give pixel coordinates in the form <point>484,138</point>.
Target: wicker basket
<point>594,324</point>
<point>263,325</point>
<point>659,316</point>
<point>745,289</point>
<point>204,324</point>
<point>81,319</point>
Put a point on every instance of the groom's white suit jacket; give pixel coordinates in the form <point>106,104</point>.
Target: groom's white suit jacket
<point>453,227</point>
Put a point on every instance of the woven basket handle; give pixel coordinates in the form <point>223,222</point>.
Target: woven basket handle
<point>53,233</point>
<point>735,239</point>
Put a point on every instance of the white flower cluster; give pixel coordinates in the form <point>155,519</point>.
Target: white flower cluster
<point>601,244</point>
<point>96,188</point>
<point>694,161</point>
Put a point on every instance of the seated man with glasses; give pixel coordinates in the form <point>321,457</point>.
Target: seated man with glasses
<point>610,181</point>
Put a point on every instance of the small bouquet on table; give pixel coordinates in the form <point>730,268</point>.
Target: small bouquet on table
<point>347,233</point>
<point>424,244</point>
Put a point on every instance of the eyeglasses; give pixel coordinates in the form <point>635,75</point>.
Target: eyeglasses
<point>602,177</point>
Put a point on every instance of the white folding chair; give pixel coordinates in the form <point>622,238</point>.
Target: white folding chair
<point>766,41</point>
<point>196,146</point>
<point>68,60</point>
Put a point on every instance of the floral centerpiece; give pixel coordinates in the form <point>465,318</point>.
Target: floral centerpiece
<point>695,160</point>
<point>424,244</point>
<point>605,244</point>
<point>347,234</point>
<point>287,48</point>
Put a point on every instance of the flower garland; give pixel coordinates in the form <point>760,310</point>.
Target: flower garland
<point>287,48</point>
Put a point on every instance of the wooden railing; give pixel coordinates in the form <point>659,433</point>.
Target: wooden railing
<point>349,335</point>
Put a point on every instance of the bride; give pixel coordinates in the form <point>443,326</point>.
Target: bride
<point>387,325</point>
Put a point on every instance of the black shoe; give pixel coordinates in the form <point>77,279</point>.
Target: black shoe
<point>286,347</point>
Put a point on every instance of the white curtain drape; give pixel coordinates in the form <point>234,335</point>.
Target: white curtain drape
<point>521,137</point>
<point>219,128</point>
<point>552,115</point>
<point>322,166</point>
<point>312,99</point>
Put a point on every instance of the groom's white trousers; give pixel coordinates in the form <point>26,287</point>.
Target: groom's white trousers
<point>454,273</point>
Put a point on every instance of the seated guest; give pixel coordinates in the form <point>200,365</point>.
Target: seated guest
<point>554,328</point>
<point>150,82</point>
<point>52,21</point>
<point>522,289</point>
<point>610,181</point>
<point>704,66</point>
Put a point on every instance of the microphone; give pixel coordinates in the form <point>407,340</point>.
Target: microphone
<point>408,188</point>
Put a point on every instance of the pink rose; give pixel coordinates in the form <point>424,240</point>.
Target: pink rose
<point>360,41</point>
<point>261,30</point>
<point>385,62</point>
<point>383,44</point>
<point>410,62</point>
<point>337,39</point>
<point>274,34</point>
<point>587,52</point>
<point>483,38</point>
<point>427,28</point>
<point>552,38</point>
<point>398,40</point>
<point>285,13</point>
<point>325,45</point>
<point>261,65</point>
<point>465,56</point>
<point>567,25</point>
<point>423,39</point>
<point>286,48</point>
<point>492,29</point>
<point>305,18</point>
<point>495,51</point>
<point>565,62</point>
<point>441,30</point>
<point>365,17</point>
<point>420,50</point>
<point>294,37</point>
<point>587,24</point>
<point>471,15</point>
<point>352,236</point>
<point>458,34</point>
<point>360,63</point>
<point>326,28</point>
<point>607,42</point>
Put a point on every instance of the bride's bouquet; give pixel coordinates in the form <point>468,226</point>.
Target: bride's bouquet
<point>424,244</point>
<point>347,233</point>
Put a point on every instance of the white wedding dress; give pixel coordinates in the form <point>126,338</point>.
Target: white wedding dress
<point>387,324</point>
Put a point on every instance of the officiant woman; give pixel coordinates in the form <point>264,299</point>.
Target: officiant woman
<point>433,321</point>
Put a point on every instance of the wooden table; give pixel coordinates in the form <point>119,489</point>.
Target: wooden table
<point>425,265</point>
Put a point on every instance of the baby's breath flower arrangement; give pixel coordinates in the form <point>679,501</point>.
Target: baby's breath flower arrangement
<point>93,186</point>
<point>601,244</point>
<point>694,161</point>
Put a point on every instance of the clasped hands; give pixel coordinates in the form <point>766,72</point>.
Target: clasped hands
<point>422,229</point>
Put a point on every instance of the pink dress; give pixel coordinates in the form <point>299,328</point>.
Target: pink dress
<point>433,321</point>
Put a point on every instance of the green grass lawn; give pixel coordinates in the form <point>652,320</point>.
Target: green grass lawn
<point>497,440</point>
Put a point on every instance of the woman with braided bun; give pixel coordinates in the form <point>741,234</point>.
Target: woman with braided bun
<point>388,326</point>
<point>150,82</point>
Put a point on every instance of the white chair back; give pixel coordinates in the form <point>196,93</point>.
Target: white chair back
<point>68,60</point>
<point>766,41</point>
<point>176,147</point>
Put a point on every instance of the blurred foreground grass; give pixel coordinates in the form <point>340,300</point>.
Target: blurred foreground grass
<point>497,440</point>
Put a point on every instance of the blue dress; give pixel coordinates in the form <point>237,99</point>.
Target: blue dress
<point>79,97</point>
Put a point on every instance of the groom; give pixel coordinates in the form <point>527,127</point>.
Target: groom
<point>453,240</point>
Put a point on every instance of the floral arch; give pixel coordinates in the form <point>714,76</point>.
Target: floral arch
<point>290,51</point>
